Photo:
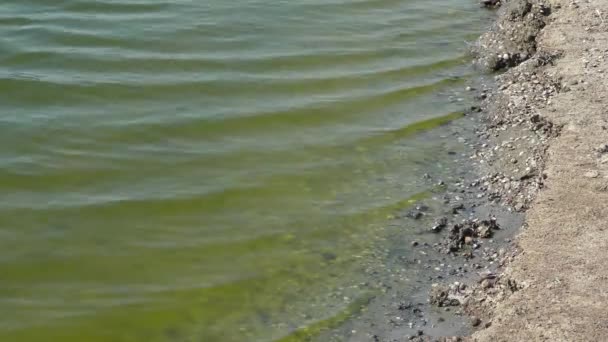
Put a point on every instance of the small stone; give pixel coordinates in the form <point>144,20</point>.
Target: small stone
<point>490,3</point>
<point>404,306</point>
<point>485,228</point>
<point>592,174</point>
<point>439,224</point>
<point>422,207</point>
<point>475,321</point>
<point>602,148</point>
<point>415,214</point>
<point>456,208</point>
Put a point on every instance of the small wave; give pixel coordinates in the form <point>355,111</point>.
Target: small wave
<point>120,7</point>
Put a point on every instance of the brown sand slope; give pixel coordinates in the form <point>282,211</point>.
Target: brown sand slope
<point>564,263</point>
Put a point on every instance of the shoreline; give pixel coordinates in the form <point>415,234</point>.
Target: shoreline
<point>518,246</point>
<point>427,299</point>
<point>433,258</point>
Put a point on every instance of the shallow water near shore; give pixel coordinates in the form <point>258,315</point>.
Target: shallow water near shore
<point>214,170</point>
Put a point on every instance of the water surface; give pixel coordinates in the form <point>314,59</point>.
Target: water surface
<point>178,170</point>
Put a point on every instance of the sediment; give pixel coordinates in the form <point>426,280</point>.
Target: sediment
<point>546,154</point>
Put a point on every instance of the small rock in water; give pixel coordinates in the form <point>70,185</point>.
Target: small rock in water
<point>490,3</point>
<point>456,208</point>
<point>422,207</point>
<point>328,256</point>
<point>440,297</point>
<point>414,214</point>
<point>439,224</point>
<point>484,229</point>
<point>414,243</point>
<point>404,306</point>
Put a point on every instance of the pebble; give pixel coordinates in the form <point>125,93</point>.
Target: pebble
<point>592,174</point>
<point>602,148</point>
<point>475,321</point>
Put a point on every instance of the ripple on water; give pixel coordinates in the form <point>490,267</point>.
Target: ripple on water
<point>212,170</point>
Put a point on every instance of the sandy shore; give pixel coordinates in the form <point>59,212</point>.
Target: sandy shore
<point>546,154</point>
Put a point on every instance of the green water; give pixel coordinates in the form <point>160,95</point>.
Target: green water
<point>213,170</point>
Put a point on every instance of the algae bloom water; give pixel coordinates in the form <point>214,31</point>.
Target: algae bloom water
<point>212,170</point>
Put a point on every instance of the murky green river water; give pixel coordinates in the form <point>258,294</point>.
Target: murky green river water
<point>212,170</point>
